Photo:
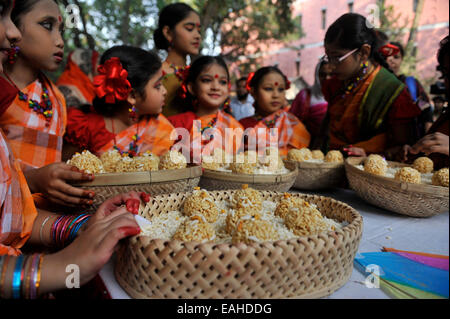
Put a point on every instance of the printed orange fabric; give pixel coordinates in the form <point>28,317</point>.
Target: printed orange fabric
<point>35,142</point>
<point>17,210</point>
<point>291,132</point>
<point>218,130</point>
<point>154,136</point>
<point>344,118</point>
<point>78,83</point>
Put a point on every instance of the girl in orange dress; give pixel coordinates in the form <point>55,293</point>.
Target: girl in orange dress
<point>126,113</point>
<point>272,124</point>
<point>206,89</point>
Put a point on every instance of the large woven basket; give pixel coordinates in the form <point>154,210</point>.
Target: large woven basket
<point>403,198</point>
<point>316,176</point>
<point>152,182</point>
<point>218,180</point>
<point>306,267</point>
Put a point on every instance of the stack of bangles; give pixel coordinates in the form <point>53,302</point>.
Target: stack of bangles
<point>26,276</point>
<point>65,228</point>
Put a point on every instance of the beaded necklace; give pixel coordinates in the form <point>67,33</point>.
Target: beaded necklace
<point>357,80</point>
<point>44,107</point>
<point>132,147</point>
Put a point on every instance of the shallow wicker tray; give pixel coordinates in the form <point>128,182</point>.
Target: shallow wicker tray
<point>316,176</point>
<point>403,198</point>
<point>306,267</point>
<point>152,182</point>
<point>218,180</point>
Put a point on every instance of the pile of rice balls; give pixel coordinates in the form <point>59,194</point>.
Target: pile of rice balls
<point>113,162</point>
<point>419,172</point>
<point>244,217</point>
<point>248,162</point>
<point>315,156</point>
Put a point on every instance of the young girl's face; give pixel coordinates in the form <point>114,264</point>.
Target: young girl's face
<point>155,94</point>
<point>270,95</point>
<point>8,31</point>
<point>346,68</point>
<point>394,62</point>
<point>211,87</point>
<point>187,37</point>
<point>42,45</point>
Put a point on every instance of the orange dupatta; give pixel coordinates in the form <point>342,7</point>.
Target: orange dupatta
<point>17,210</point>
<point>154,136</point>
<point>291,132</point>
<point>34,141</point>
<point>344,115</point>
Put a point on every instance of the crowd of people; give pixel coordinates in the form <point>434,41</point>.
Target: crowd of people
<point>128,100</point>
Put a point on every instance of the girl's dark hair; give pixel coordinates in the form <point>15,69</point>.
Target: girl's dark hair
<point>197,67</point>
<point>352,31</point>
<point>170,16</point>
<point>400,46</point>
<point>140,64</point>
<point>22,7</point>
<point>262,72</point>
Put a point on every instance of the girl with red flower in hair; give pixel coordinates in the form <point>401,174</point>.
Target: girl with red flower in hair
<point>126,112</point>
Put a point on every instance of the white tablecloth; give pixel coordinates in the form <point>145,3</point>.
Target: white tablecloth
<point>381,229</point>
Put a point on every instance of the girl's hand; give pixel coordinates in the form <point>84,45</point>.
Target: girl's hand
<point>354,151</point>
<point>432,143</point>
<point>90,251</point>
<point>51,180</point>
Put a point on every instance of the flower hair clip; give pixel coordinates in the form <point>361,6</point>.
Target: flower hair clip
<point>389,50</point>
<point>249,80</point>
<point>112,82</point>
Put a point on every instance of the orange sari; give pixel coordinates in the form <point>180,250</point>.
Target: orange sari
<point>154,136</point>
<point>35,142</point>
<point>17,210</point>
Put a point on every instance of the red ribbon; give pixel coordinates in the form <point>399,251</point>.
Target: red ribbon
<point>112,82</point>
<point>249,79</point>
<point>389,50</point>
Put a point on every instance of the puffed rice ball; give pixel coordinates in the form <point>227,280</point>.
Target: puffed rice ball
<point>247,198</point>
<point>110,159</point>
<point>305,220</point>
<point>375,164</point>
<point>234,216</point>
<point>254,230</point>
<point>126,164</point>
<point>87,162</point>
<point>287,203</point>
<point>196,228</point>
<point>317,155</point>
<point>148,161</point>
<point>201,203</point>
<point>334,157</point>
<point>440,178</point>
<point>299,155</point>
<point>172,160</point>
<point>423,164</point>
<point>408,174</point>
<point>272,159</point>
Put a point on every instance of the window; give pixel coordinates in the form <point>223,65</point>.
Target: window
<point>350,6</point>
<point>415,4</point>
<point>324,19</point>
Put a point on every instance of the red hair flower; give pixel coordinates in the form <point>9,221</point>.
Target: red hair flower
<point>389,50</point>
<point>249,79</point>
<point>112,82</point>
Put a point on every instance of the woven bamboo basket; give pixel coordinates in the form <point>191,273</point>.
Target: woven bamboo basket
<point>306,267</point>
<point>152,182</point>
<point>317,176</point>
<point>218,180</point>
<point>399,197</point>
